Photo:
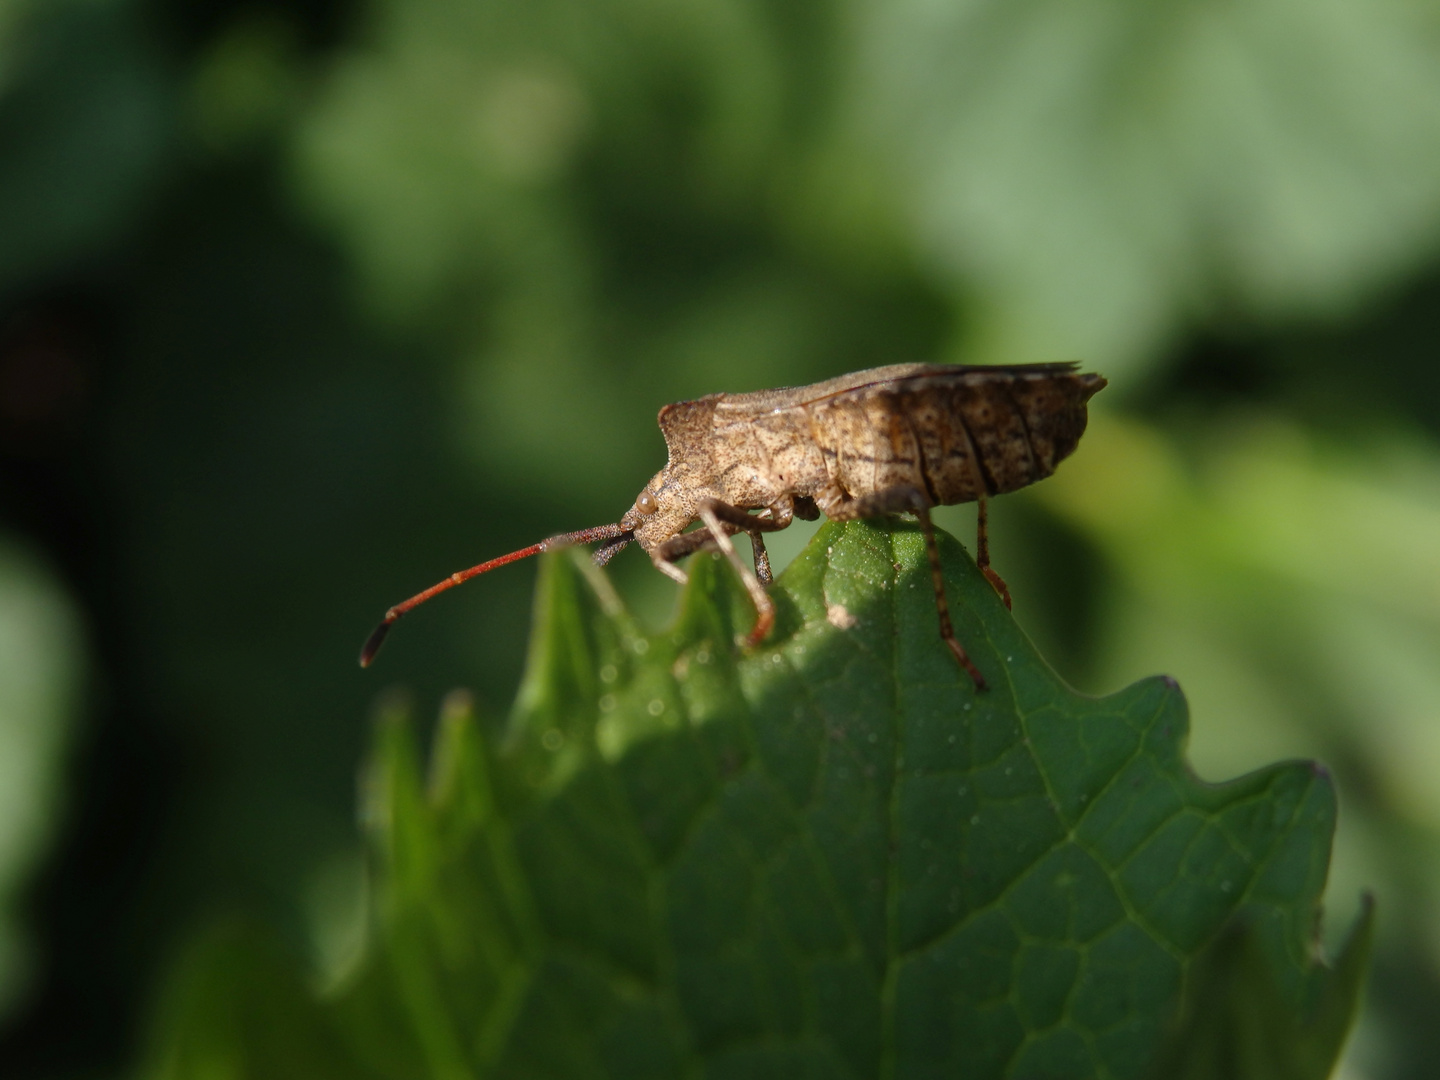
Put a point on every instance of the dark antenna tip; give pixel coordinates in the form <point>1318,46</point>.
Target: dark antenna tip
<point>373,643</point>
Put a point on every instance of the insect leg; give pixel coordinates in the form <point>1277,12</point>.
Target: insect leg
<point>898,500</point>
<point>670,570</point>
<point>711,511</point>
<point>942,606</point>
<point>781,515</point>
<point>982,552</point>
<point>610,548</point>
<point>762,560</point>
<point>677,547</point>
<point>782,511</point>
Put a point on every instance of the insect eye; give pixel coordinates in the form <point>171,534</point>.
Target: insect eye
<point>646,504</point>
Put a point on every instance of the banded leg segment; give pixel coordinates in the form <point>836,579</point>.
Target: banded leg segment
<point>722,520</point>
<point>913,500</point>
<point>982,553</point>
<point>942,606</point>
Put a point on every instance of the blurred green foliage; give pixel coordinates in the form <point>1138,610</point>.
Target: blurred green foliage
<point>827,857</point>
<point>303,305</point>
<point>83,120</point>
<point>1102,174</point>
<point>42,679</point>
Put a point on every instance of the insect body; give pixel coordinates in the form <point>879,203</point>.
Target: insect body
<point>884,441</point>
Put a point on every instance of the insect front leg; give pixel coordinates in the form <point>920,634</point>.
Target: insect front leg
<point>982,553</point>
<point>722,519</point>
<point>677,547</point>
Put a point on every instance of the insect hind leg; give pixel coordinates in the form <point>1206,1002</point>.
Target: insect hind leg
<point>942,605</point>
<point>913,500</point>
<point>982,553</point>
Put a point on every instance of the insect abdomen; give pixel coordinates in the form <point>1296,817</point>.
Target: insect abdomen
<point>957,437</point>
<point>995,432</point>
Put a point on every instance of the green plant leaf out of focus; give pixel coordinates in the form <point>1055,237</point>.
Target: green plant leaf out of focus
<point>830,857</point>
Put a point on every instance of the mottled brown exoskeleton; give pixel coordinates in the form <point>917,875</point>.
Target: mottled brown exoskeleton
<point>889,440</point>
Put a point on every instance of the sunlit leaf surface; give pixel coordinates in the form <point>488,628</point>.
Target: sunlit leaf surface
<point>829,858</point>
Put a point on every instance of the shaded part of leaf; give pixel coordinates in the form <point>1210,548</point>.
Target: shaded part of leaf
<point>456,935</point>
<point>373,1018</point>
<point>591,885</point>
<point>1128,982</point>
<point>848,1004</point>
<point>578,1021</point>
<point>586,860</point>
<point>415,933</point>
<point>236,1008</point>
<point>1237,1022</point>
<point>802,1059</point>
<point>960,991</point>
<point>552,726</point>
<point>1065,897</point>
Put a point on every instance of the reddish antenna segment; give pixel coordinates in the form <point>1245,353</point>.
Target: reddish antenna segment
<point>616,536</point>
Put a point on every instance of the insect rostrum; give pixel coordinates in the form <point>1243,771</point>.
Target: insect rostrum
<point>887,440</point>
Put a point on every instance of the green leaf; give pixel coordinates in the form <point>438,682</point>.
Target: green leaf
<point>235,1007</point>
<point>830,857</point>
<point>1236,1023</point>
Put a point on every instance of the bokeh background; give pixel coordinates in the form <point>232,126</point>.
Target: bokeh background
<point>304,305</point>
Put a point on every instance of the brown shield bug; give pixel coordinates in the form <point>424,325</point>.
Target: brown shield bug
<point>888,440</point>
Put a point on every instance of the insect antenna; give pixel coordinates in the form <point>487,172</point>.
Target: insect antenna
<point>614,536</point>
<point>611,547</point>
